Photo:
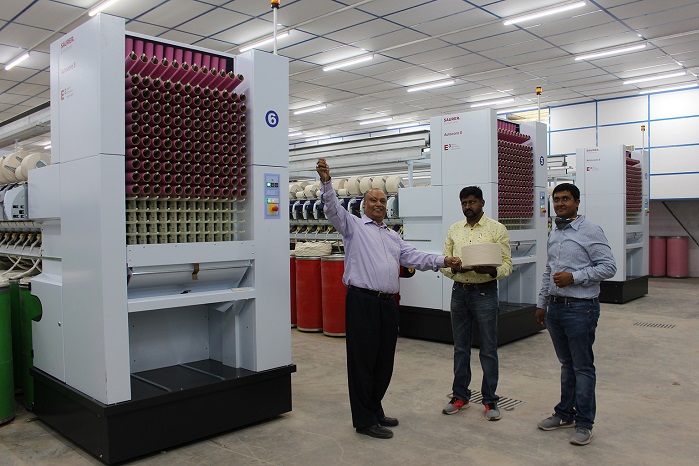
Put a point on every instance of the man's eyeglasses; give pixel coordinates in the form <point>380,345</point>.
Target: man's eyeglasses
<point>563,199</point>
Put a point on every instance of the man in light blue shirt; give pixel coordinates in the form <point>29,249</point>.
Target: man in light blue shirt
<point>579,258</point>
<point>373,256</point>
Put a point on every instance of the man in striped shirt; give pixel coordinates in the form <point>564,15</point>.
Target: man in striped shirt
<point>474,301</point>
<point>579,258</point>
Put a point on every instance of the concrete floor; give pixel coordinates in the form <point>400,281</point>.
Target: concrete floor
<point>647,404</point>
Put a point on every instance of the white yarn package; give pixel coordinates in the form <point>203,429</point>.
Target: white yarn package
<point>313,249</point>
<point>484,254</point>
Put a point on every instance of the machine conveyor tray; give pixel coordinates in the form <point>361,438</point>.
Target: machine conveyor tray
<point>150,303</point>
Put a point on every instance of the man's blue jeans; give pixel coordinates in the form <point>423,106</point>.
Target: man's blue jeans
<point>481,307</point>
<point>572,328</point>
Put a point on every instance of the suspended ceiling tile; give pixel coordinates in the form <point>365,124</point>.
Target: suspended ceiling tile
<point>392,39</point>
<point>377,86</point>
<point>670,28</point>
<point>299,11</point>
<point>509,8</point>
<point>299,66</point>
<point>455,22</point>
<point>34,102</point>
<point>12,99</point>
<point>533,57</point>
<point>335,52</point>
<point>10,9</point>
<point>519,51</point>
<point>383,8</point>
<point>594,44</point>
<point>250,30</point>
<point>47,14</point>
<point>423,46</point>
<point>667,9</point>
<point>28,90</point>
<point>380,66</point>
<point>145,28</point>
<point>172,13</point>
<point>429,11</point>
<point>128,9</point>
<point>349,26</point>
<point>42,78</point>
<point>179,36</point>
<point>441,53</point>
<point>500,40</point>
<point>213,44</point>
<point>309,47</point>
<point>213,22</point>
<point>18,35</point>
<point>551,29</point>
<point>599,32</point>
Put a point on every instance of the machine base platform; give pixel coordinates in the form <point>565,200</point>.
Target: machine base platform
<point>623,292</point>
<point>515,321</point>
<point>170,406</point>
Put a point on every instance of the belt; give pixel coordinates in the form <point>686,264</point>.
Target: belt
<point>377,294</point>
<point>477,286</point>
<point>566,300</point>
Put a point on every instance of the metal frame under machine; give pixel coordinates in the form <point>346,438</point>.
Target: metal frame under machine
<point>165,310</point>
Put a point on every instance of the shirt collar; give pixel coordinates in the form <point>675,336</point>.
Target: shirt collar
<point>575,224</point>
<point>366,219</point>
<point>482,221</point>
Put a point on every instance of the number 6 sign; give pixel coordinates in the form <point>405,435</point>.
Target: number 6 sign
<point>272,119</point>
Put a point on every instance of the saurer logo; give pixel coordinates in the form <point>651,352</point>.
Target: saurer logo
<point>455,118</point>
<point>67,42</point>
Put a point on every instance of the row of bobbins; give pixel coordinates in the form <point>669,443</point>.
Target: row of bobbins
<point>634,186</point>
<point>186,127</point>
<point>515,173</point>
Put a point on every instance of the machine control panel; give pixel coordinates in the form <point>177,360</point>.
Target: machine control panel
<point>542,204</point>
<point>272,195</point>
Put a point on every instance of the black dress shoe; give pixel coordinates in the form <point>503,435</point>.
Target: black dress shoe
<point>375,431</point>
<point>388,421</point>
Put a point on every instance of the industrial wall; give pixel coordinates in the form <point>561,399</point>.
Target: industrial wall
<point>670,119</point>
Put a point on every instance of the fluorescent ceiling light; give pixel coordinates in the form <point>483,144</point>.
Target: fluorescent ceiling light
<point>547,12</point>
<point>375,120</point>
<point>492,102</point>
<point>655,78</point>
<point>344,63</point>
<point>434,85</point>
<point>101,6</point>
<point>310,109</point>
<point>516,110</point>
<point>17,61</point>
<point>262,42</point>
<point>671,88</point>
<point>296,133</point>
<point>606,53</point>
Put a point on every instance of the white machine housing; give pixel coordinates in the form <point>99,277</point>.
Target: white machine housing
<point>110,310</point>
<point>464,152</point>
<point>602,179</point>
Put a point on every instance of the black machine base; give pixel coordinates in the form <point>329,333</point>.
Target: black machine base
<point>169,407</point>
<point>623,292</point>
<point>515,321</point>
